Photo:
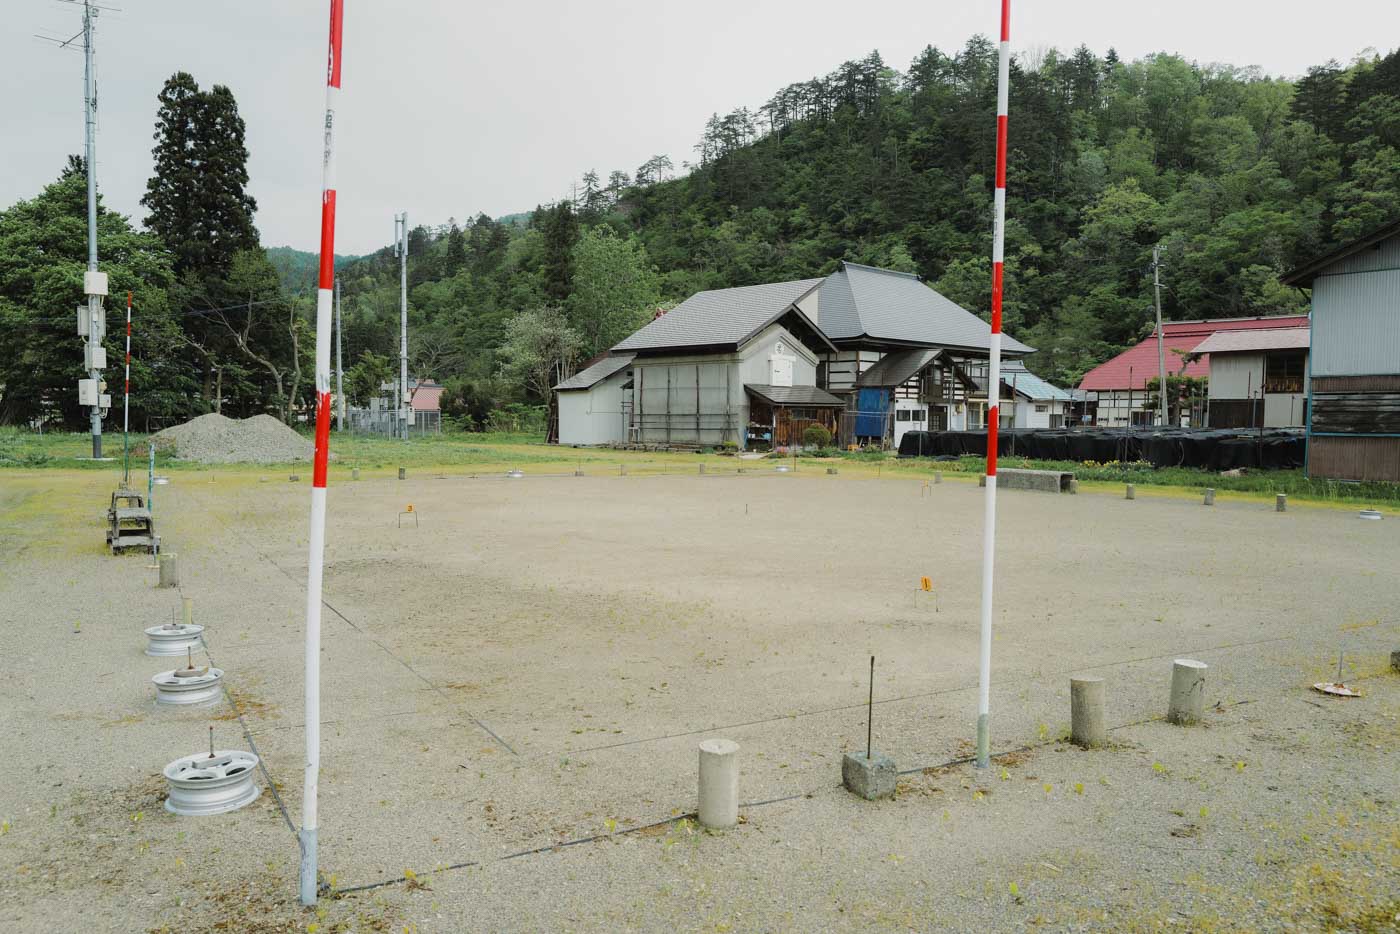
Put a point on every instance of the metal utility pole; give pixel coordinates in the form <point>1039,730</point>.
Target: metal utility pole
<point>339,366</point>
<point>94,282</point>
<point>401,250</point>
<point>1161,349</point>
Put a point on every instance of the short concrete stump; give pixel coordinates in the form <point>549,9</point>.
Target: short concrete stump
<point>403,473</point>
<point>1209,497</point>
<point>1086,704</point>
<point>1281,502</point>
<point>1130,492</point>
<point>831,471</point>
<point>1046,481</point>
<point>938,476</point>
<point>872,778</point>
<point>1073,487</point>
<point>293,478</point>
<point>1188,695</point>
<point>355,473</point>
<point>169,571</point>
<point>719,783</point>
<point>578,473</point>
<point>1395,660</point>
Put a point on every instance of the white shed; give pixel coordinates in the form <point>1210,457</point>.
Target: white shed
<point>595,403</point>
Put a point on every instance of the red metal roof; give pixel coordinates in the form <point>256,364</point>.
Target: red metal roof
<point>425,396</point>
<point>1184,336</point>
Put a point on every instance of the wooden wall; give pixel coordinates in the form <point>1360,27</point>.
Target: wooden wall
<point>1354,458</point>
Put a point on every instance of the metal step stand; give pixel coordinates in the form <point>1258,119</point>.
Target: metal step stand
<point>129,523</point>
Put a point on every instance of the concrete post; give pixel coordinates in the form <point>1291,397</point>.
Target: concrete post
<point>1073,486</point>
<point>938,476</point>
<point>1188,691</point>
<point>355,473</point>
<point>1395,660</point>
<point>403,473</point>
<point>719,783</point>
<point>169,570</point>
<point>1131,492</point>
<point>578,473</point>
<point>1086,712</point>
<point>702,470</point>
<point>1281,502</point>
<point>187,610</point>
<point>831,471</point>
<point>1210,496</point>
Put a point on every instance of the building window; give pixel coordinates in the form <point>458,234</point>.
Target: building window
<point>1283,371</point>
<point>1042,408</point>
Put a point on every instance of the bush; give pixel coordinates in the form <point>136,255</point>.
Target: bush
<point>816,436</point>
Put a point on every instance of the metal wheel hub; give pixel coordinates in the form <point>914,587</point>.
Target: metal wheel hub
<point>202,784</point>
<point>172,638</point>
<point>188,685</point>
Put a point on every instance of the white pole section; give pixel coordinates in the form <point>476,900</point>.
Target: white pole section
<point>318,481</point>
<point>1161,352</point>
<point>126,400</point>
<point>403,326</point>
<point>989,520</point>
<point>339,366</point>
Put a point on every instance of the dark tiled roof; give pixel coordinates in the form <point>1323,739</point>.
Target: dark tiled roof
<point>719,317</point>
<point>863,301</point>
<point>590,376</point>
<point>794,395</point>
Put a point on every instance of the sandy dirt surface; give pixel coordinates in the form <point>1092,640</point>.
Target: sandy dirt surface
<point>534,662</point>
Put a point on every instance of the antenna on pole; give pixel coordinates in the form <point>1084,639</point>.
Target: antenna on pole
<point>989,522</point>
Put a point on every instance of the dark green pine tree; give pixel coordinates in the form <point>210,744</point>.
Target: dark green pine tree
<point>559,225</point>
<point>197,197</point>
<point>455,257</point>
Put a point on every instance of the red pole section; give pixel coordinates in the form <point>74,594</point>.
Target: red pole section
<point>316,557</point>
<point>989,521</point>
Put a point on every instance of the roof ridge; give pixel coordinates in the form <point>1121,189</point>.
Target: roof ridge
<point>889,272</point>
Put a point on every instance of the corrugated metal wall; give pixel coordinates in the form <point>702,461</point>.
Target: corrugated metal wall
<point>1356,320</point>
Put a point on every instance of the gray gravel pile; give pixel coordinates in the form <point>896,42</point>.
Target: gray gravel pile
<point>217,439</point>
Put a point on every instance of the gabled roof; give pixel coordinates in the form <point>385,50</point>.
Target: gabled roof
<point>1140,362</point>
<point>896,368</point>
<point>594,374</point>
<point>1305,274</point>
<point>1246,341</point>
<point>720,317</point>
<point>794,395</point>
<point>1014,373</point>
<point>863,301</point>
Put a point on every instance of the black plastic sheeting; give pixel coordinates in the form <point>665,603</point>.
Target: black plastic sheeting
<point>1208,448</point>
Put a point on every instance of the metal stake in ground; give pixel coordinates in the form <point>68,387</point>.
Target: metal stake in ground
<point>989,521</point>
<point>870,710</point>
<point>317,549</point>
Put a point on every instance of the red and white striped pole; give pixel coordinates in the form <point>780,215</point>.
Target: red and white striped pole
<point>126,399</point>
<point>318,476</point>
<point>989,521</point>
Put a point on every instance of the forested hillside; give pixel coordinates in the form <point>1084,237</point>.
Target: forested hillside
<point>1235,174</point>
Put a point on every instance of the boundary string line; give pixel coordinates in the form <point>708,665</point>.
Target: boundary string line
<point>593,838</point>
<point>349,622</point>
<point>248,737</point>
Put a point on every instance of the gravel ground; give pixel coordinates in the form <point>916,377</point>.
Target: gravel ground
<point>216,439</point>
<point>534,662</point>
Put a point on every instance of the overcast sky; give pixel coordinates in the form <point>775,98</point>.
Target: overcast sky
<point>451,107</point>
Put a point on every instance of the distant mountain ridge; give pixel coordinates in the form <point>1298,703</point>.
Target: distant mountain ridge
<point>297,268</point>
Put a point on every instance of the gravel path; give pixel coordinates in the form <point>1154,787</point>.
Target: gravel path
<point>535,662</point>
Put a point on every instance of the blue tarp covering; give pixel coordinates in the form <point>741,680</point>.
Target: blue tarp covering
<point>871,405</point>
